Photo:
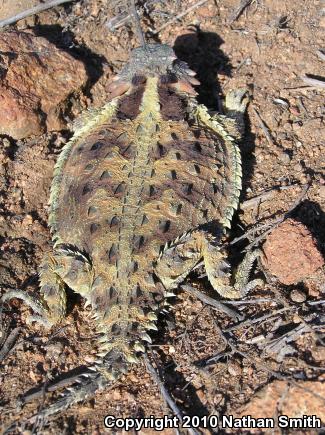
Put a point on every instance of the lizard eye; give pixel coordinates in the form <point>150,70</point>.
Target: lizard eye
<point>138,80</point>
<point>170,77</point>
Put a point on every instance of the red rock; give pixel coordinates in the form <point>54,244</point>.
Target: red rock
<point>18,116</point>
<point>291,253</point>
<point>36,80</point>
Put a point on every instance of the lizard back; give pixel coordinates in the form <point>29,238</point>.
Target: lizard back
<point>137,175</point>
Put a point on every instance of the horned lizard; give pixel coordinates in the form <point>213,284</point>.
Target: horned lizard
<point>141,194</point>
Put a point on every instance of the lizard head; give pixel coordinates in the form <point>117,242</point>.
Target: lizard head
<point>155,60</point>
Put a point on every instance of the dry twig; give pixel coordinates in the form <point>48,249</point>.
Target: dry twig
<point>264,128</point>
<point>32,11</point>
<point>262,319</point>
<point>250,301</point>
<point>256,200</point>
<point>280,219</point>
<point>49,387</point>
<point>277,344</point>
<point>312,81</point>
<point>260,365</point>
<point>319,302</point>
<point>212,302</point>
<point>167,397</point>
<point>239,10</point>
<point>9,343</point>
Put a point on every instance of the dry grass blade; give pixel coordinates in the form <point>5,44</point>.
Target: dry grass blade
<point>256,200</point>
<point>179,16</point>
<point>32,11</point>
<point>118,21</point>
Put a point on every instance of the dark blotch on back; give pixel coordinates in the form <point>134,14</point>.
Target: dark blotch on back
<point>86,189</point>
<point>172,106</point>
<point>96,146</point>
<point>129,105</point>
<point>93,228</point>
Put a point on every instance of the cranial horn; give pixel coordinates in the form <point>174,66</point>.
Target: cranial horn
<point>190,72</point>
<point>193,81</point>
<point>118,88</point>
<point>183,86</point>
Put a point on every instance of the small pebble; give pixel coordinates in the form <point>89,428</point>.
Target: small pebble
<point>282,136</point>
<point>258,175</point>
<point>171,349</point>
<point>297,296</point>
<point>218,399</point>
<point>234,368</point>
<point>27,220</point>
<point>295,110</point>
<point>321,192</point>
<point>318,354</point>
<point>297,167</point>
<point>54,349</point>
<point>285,158</point>
<point>287,125</point>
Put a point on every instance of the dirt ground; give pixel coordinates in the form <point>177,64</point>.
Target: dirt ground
<point>272,362</point>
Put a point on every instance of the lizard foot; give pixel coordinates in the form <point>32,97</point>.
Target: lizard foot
<point>236,100</point>
<point>219,275</point>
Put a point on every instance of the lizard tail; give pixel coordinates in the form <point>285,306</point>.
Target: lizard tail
<point>72,395</point>
<point>105,373</point>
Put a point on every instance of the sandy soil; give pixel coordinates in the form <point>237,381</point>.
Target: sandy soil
<point>268,49</point>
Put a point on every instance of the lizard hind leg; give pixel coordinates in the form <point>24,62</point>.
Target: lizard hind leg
<point>183,255</point>
<point>232,286</point>
<point>178,260</point>
<point>56,270</point>
<point>49,308</point>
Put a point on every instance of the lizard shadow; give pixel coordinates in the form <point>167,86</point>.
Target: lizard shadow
<point>201,51</point>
